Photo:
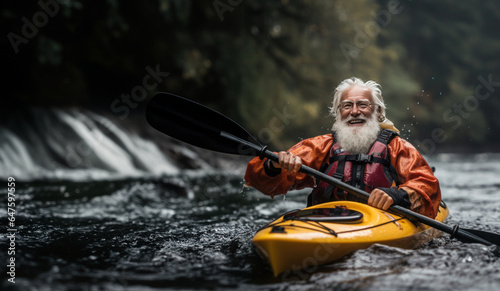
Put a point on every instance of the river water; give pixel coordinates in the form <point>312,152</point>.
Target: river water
<point>187,229</point>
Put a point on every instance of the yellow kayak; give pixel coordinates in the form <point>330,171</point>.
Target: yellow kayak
<point>325,232</point>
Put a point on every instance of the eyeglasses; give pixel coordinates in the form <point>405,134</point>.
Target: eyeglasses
<point>347,105</point>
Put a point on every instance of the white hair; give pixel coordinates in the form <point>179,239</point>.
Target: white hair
<point>373,86</point>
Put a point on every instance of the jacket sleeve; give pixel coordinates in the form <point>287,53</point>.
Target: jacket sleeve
<point>415,177</point>
<point>312,151</point>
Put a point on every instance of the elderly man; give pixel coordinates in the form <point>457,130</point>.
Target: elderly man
<point>364,150</point>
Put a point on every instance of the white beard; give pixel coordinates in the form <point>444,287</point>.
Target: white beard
<point>356,140</point>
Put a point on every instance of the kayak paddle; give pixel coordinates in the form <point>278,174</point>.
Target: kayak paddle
<point>203,127</point>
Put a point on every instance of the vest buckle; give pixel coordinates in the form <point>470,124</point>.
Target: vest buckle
<point>364,158</point>
<point>338,176</point>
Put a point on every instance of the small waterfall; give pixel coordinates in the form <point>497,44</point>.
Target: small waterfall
<point>77,144</point>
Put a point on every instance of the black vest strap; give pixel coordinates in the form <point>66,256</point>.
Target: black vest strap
<point>360,158</point>
<point>386,135</point>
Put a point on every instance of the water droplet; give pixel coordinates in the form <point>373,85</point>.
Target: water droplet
<point>407,108</point>
<point>423,91</point>
<point>413,116</point>
<point>418,102</point>
<point>467,259</point>
<point>244,187</point>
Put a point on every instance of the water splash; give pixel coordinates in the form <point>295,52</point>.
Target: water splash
<point>243,187</point>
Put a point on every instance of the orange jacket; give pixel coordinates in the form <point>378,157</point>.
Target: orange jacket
<point>414,173</point>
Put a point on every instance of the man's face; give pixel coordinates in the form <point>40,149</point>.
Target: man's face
<point>353,109</point>
<point>356,126</point>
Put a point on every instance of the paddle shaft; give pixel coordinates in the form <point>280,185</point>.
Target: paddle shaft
<point>454,231</point>
<point>204,127</point>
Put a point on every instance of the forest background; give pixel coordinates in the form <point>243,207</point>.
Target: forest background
<point>269,65</point>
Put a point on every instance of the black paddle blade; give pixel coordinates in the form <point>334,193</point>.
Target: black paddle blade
<point>197,124</point>
<point>493,238</point>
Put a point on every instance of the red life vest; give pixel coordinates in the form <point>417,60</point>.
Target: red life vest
<point>363,171</point>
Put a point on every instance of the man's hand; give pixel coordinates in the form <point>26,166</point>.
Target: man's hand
<point>380,199</point>
<point>289,162</point>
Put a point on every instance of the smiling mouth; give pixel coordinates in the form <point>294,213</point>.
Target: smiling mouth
<point>356,122</point>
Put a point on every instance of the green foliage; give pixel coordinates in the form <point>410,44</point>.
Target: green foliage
<point>270,65</point>
<point>448,45</point>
